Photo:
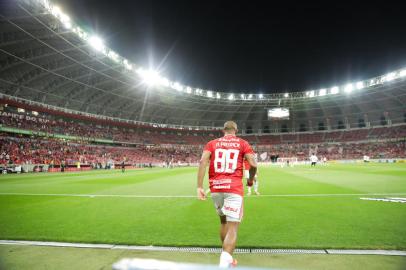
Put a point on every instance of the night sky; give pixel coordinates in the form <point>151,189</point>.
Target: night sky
<point>252,47</point>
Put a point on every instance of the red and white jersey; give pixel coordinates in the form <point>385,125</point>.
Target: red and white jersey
<point>226,164</point>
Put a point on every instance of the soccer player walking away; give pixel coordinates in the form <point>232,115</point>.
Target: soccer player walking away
<point>247,176</point>
<point>313,160</point>
<point>225,156</point>
<point>123,166</point>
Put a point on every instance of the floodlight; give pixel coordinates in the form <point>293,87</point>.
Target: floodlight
<point>189,90</point>
<point>165,82</point>
<point>210,94</point>
<point>68,25</point>
<point>360,85</point>
<point>55,11</point>
<point>231,97</point>
<point>218,95</point>
<point>391,76</point>
<point>310,93</point>
<point>177,86</point>
<point>261,96</point>
<point>348,88</point>
<point>149,77</point>
<point>402,73</point>
<point>250,96</point>
<point>96,43</point>
<point>66,21</point>
<point>113,56</point>
<point>242,96</point>
<point>334,90</point>
<point>322,92</point>
<point>64,17</point>
<point>286,95</point>
<point>127,65</point>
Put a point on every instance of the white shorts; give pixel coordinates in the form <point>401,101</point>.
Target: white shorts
<point>229,205</point>
<point>247,174</point>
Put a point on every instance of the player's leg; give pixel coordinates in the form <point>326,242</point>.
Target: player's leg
<point>256,184</point>
<point>233,210</point>
<point>218,200</point>
<point>230,239</point>
<point>223,228</point>
<point>247,176</point>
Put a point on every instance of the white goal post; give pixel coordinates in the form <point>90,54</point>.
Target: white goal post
<point>287,161</point>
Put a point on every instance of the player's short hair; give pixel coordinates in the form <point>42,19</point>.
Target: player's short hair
<point>230,125</point>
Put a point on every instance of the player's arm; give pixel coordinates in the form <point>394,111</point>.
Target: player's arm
<point>253,168</point>
<point>204,161</point>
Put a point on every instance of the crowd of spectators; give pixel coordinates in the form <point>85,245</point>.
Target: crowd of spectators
<point>24,150</point>
<point>159,145</point>
<point>54,125</point>
<point>337,151</point>
<point>17,150</point>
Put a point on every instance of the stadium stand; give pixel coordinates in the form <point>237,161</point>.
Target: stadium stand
<point>44,138</point>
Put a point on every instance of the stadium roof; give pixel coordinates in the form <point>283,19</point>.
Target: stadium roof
<point>45,57</point>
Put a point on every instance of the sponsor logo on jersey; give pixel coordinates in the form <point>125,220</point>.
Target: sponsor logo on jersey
<point>222,187</point>
<point>221,181</point>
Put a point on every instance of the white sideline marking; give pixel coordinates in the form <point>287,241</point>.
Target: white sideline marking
<point>398,200</point>
<point>192,196</point>
<point>207,249</point>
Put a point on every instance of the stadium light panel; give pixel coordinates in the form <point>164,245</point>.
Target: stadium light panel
<point>231,97</point>
<point>334,90</point>
<point>360,85</point>
<point>209,94</point>
<point>261,96</point>
<point>96,43</point>
<point>402,73</point>
<point>322,92</point>
<point>189,90</point>
<point>250,96</point>
<point>348,88</point>
<point>286,95</point>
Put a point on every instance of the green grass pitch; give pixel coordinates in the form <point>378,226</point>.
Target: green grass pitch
<point>316,220</point>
